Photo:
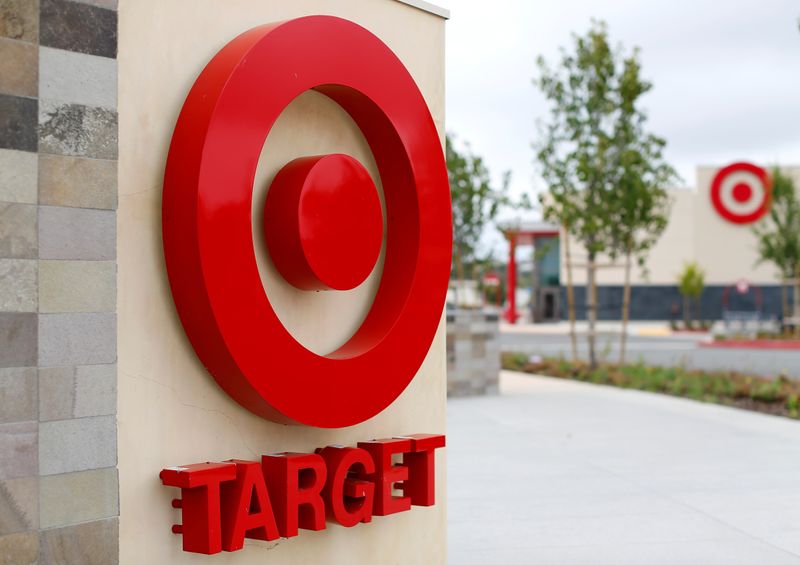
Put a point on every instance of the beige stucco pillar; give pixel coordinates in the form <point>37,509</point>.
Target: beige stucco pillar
<point>171,411</point>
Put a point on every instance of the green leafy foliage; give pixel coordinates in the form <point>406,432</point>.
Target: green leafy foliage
<point>476,204</point>
<point>779,232</point>
<point>775,396</point>
<point>606,174</point>
<point>691,280</point>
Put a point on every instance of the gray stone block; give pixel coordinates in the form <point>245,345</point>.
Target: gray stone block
<point>18,68</point>
<point>77,286</point>
<point>19,506</point>
<point>107,4</point>
<point>77,78</point>
<point>92,543</point>
<point>73,233</point>
<point>77,182</point>
<point>77,445</point>
<point>73,498</point>
<point>18,445</point>
<point>77,392</point>
<point>18,394</point>
<point>18,122</point>
<point>77,339</point>
<point>18,176</point>
<point>18,233</point>
<point>75,129</point>
<point>18,285</point>
<point>18,339</point>
<point>79,27</point>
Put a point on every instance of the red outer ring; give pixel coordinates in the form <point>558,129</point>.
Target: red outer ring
<point>208,237</point>
<point>716,198</point>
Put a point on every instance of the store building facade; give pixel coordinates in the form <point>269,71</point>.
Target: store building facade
<point>698,231</point>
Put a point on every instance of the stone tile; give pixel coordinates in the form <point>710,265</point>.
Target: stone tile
<point>77,445</point>
<point>19,66</point>
<point>18,444</point>
<point>18,172</point>
<point>18,123</point>
<point>19,19</point>
<point>18,339</point>
<point>78,27</point>
<point>92,543</point>
<point>19,505</point>
<point>74,129</point>
<point>77,78</point>
<point>78,497</point>
<point>77,339</point>
<point>73,233</point>
<point>18,232</point>
<point>19,549</point>
<point>107,4</point>
<point>18,394</point>
<point>77,392</point>
<point>17,285</point>
<point>77,181</point>
<point>76,286</point>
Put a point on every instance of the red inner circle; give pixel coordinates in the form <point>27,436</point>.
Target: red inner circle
<point>340,222</point>
<point>742,192</point>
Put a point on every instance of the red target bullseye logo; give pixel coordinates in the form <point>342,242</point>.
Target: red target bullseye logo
<point>322,222</point>
<point>741,193</point>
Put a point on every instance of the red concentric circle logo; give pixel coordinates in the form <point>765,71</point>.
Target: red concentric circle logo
<point>323,222</point>
<point>741,193</point>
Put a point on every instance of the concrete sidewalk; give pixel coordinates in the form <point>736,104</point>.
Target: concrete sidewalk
<point>559,472</point>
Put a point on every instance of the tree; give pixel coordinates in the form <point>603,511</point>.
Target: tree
<point>641,205</point>
<point>598,162</point>
<point>779,236</point>
<point>476,204</point>
<point>691,282</point>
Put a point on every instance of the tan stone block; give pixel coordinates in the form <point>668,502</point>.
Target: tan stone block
<point>78,497</point>
<point>77,181</point>
<point>93,543</point>
<point>19,549</point>
<point>19,68</point>
<point>77,286</point>
<point>19,19</point>
<point>18,401</point>
<point>19,449</point>
<point>77,392</point>
<point>19,505</point>
<point>18,232</point>
<point>18,176</point>
<point>17,285</point>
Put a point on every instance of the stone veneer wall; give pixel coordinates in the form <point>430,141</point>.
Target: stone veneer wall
<point>473,352</point>
<point>58,198</point>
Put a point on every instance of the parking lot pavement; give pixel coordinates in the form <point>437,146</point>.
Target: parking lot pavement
<point>560,472</point>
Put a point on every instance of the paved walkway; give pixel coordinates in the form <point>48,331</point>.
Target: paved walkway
<point>558,472</point>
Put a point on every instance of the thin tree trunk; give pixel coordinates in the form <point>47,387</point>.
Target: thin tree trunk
<point>591,307</point>
<point>785,299</point>
<point>459,275</point>
<point>573,338</point>
<point>626,306</point>
<point>797,300</point>
<point>686,311</point>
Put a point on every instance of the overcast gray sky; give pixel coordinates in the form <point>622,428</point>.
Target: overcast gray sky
<point>726,75</point>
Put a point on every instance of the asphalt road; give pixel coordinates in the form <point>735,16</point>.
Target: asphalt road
<point>662,351</point>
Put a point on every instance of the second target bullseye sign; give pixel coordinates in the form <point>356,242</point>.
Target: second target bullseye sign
<point>741,193</point>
